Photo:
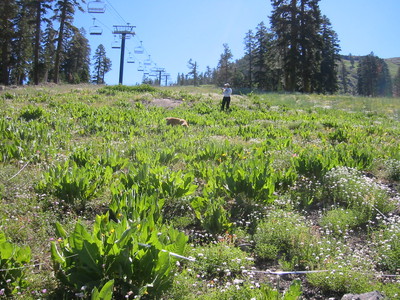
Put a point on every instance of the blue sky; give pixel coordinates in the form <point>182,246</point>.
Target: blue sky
<point>175,31</point>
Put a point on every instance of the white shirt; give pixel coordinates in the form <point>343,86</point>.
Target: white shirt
<point>227,92</point>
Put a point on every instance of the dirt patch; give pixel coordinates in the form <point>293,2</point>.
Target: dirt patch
<point>165,102</point>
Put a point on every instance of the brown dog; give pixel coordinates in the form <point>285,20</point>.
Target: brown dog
<point>176,121</point>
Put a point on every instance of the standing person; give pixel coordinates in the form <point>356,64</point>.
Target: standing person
<point>226,100</point>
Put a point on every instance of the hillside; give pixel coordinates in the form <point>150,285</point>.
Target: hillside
<point>393,65</point>
<point>281,196</point>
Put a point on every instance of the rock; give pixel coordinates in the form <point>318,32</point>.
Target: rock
<point>367,296</point>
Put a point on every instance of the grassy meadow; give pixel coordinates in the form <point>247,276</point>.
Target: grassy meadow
<point>286,196</point>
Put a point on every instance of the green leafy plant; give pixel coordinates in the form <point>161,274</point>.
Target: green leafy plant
<point>76,185</point>
<point>314,162</point>
<point>12,267</point>
<point>294,292</point>
<point>254,178</point>
<point>32,113</point>
<point>136,254</point>
<point>159,181</point>
<point>212,215</point>
<point>137,206</point>
<point>105,293</point>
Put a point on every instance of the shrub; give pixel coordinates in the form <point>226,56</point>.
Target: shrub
<point>306,191</point>
<point>387,244</point>
<point>344,268</point>
<point>340,220</point>
<point>221,260</point>
<point>285,236</point>
<point>348,188</point>
<point>249,291</point>
<point>342,279</point>
<point>393,169</point>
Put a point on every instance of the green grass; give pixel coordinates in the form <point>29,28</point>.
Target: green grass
<point>281,182</point>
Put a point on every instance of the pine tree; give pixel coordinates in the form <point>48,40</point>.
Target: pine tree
<point>373,77</point>
<point>225,66</point>
<point>263,58</point>
<point>343,77</point>
<point>64,14</point>
<point>351,58</point>
<point>102,65</point>
<point>8,12</point>
<point>285,25</point>
<point>296,24</point>
<point>194,73</point>
<point>75,67</point>
<point>46,64</point>
<point>326,80</point>
<point>384,84</point>
<point>249,45</point>
<point>208,75</point>
<point>40,8</point>
<point>396,84</point>
<point>310,44</point>
<point>22,50</point>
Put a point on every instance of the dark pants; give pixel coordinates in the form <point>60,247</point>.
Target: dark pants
<point>225,103</point>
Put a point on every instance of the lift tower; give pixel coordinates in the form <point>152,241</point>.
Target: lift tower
<point>126,31</point>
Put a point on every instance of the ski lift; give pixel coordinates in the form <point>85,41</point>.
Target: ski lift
<point>95,30</point>
<point>131,59</point>
<point>115,44</point>
<point>96,7</point>
<point>139,49</point>
<point>147,62</point>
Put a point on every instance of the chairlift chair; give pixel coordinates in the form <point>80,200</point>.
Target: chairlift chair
<point>115,44</point>
<point>96,7</point>
<point>140,67</point>
<point>139,49</point>
<point>131,59</point>
<point>147,62</point>
<point>95,30</point>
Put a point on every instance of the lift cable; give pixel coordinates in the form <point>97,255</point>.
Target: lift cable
<point>117,12</point>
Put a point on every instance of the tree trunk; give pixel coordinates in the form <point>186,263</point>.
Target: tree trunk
<point>37,43</point>
<point>60,43</point>
<point>4,62</point>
